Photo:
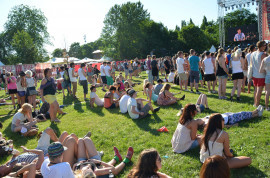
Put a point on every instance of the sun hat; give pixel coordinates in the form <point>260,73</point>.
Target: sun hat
<point>56,149</point>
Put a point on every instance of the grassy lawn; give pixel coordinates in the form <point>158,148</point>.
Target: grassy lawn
<point>111,128</point>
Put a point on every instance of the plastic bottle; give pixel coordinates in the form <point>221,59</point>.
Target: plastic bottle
<point>110,174</point>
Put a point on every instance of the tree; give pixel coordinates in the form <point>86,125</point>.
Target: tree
<point>122,32</point>
<point>26,51</point>
<point>204,23</point>
<point>239,18</point>
<point>183,23</point>
<point>57,52</point>
<point>87,50</point>
<point>190,22</point>
<point>75,50</point>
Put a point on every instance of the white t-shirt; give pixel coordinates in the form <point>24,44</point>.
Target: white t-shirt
<point>80,72</point>
<point>60,170</point>
<point>30,82</point>
<point>171,77</point>
<point>132,102</point>
<point>248,58</point>
<point>98,101</point>
<point>72,79</point>
<point>107,71</point>
<point>101,70</point>
<point>19,116</point>
<point>123,103</point>
<point>180,67</point>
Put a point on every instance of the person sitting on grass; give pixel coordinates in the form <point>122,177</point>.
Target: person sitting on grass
<point>158,86</point>
<point>18,122</point>
<point>215,166</point>
<point>148,164</point>
<point>94,99</point>
<point>109,102</point>
<point>94,81</point>
<point>123,102</point>
<point>136,109</point>
<point>89,162</point>
<point>150,92</point>
<point>185,136</point>
<point>166,98</point>
<point>215,141</point>
<point>118,81</point>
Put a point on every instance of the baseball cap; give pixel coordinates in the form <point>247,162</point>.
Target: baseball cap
<point>56,149</point>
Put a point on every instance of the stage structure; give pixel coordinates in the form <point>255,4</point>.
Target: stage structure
<point>224,5</point>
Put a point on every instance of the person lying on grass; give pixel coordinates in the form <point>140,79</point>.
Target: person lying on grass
<point>215,141</point>
<point>201,105</point>
<point>166,98</point>
<point>136,109</point>
<point>148,164</point>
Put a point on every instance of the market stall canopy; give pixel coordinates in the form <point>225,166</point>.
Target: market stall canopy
<point>97,51</point>
<point>1,63</point>
<point>86,60</point>
<point>105,58</point>
<point>57,60</point>
<point>212,49</point>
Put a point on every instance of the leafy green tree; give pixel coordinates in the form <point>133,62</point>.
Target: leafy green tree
<point>183,23</point>
<point>191,22</point>
<point>26,51</point>
<point>204,23</point>
<point>57,52</point>
<point>87,50</point>
<point>75,50</point>
<point>239,18</point>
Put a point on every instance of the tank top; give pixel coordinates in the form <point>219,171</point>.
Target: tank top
<point>209,68</point>
<point>256,64</point>
<point>19,86</point>
<point>181,140</point>
<point>30,82</point>
<point>236,66</point>
<point>220,70</point>
<point>49,88</point>
<point>267,66</point>
<point>154,96</point>
<point>107,101</point>
<point>12,85</point>
<point>214,148</point>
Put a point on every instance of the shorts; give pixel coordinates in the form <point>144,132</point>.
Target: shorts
<point>223,76</point>
<point>126,71</point>
<point>195,144</point>
<point>104,79</point>
<point>50,98</point>
<point>210,77</point>
<point>245,73</point>
<point>84,83</point>
<point>21,93</point>
<point>201,107</point>
<point>31,91</point>
<point>66,84</point>
<point>90,73</point>
<point>145,110</point>
<point>130,71</point>
<point>97,157</point>
<point>112,106</point>
<point>182,76</point>
<point>194,75</point>
<point>12,91</point>
<point>167,71</point>
<point>236,76</point>
<point>109,80</point>
<point>258,82</point>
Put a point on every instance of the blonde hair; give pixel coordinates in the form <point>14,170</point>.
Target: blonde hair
<point>25,108</point>
<point>145,82</point>
<point>166,86</point>
<point>29,72</point>
<point>238,52</point>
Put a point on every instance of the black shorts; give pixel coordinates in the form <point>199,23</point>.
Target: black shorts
<point>167,71</point>
<point>237,76</point>
<point>209,77</point>
<point>12,91</point>
<point>84,83</point>
<point>104,79</point>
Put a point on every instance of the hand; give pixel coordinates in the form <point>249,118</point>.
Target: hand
<point>96,161</point>
<point>24,149</point>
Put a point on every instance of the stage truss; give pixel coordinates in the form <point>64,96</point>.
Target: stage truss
<point>224,5</point>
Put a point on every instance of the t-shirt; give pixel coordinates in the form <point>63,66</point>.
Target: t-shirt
<point>154,64</point>
<point>107,71</point>
<point>12,85</point>
<point>30,82</point>
<point>72,79</point>
<point>60,170</point>
<point>194,63</point>
<point>98,101</point>
<point>19,116</point>
<point>248,58</point>
<point>180,62</point>
<point>167,64</point>
<point>123,103</point>
<point>132,102</point>
<point>157,88</point>
<point>171,77</point>
<point>80,72</point>
<point>102,73</point>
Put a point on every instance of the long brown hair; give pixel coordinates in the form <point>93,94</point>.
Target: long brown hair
<point>214,123</point>
<point>215,167</point>
<point>187,114</point>
<point>165,87</point>
<point>146,166</point>
<point>220,53</point>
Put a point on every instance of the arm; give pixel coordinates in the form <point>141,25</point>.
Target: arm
<point>242,63</point>
<point>226,145</point>
<point>215,69</point>
<point>203,66</point>
<point>262,67</point>
<point>150,95</point>
<point>200,64</point>
<point>39,153</point>
<point>135,112</point>
<point>223,65</point>
<point>193,128</point>
<point>162,175</point>
<point>84,73</point>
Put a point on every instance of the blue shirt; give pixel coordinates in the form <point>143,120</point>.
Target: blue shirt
<point>194,63</point>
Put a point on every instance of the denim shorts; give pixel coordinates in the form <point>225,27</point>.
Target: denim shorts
<point>97,157</point>
<point>195,144</point>
<point>223,76</point>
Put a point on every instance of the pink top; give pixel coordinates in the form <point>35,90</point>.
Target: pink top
<point>12,85</point>
<point>122,87</point>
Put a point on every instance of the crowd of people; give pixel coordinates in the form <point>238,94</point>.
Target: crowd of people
<point>70,156</point>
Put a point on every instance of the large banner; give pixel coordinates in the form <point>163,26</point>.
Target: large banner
<point>266,20</point>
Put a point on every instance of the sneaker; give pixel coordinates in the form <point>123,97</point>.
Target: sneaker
<point>191,91</point>
<point>260,110</point>
<point>100,153</point>
<point>88,134</point>
<point>186,90</point>
<point>209,92</point>
<point>116,153</point>
<point>130,153</point>
<point>157,109</point>
<point>214,92</point>
<point>197,92</point>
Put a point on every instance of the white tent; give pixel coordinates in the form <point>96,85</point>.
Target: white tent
<point>1,63</point>
<point>57,60</point>
<point>212,49</point>
<point>86,60</point>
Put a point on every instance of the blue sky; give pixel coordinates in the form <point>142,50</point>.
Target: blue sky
<point>70,20</point>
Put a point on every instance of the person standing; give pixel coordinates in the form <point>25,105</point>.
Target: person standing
<point>73,79</point>
<point>83,80</point>
<point>31,88</point>
<point>167,66</point>
<point>222,75</point>
<point>66,84</point>
<point>21,88</point>
<point>252,48</point>
<point>103,75</point>
<point>209,69</point>
<point>3,77</point>
<point>180,63</point>
<point>126,69</point>
<point>149,69</point>
<point>90,72</point>
<point>257,77</point>
<point>12,87</point>
<point>108,74</point>
<point>237,64</point>
<point>228,59</point>
<point>155,68</point>
<point>245,70</point>
<point>195,64</point>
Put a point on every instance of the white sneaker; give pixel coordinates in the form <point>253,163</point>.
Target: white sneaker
<point>260,110</point>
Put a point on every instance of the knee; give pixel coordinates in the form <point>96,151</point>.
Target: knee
<point>65,133</point>
<point>71,140</point>
<point>48,130</point>
<point>80,140</point>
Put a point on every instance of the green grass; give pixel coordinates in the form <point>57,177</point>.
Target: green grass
<point>111,128</point>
